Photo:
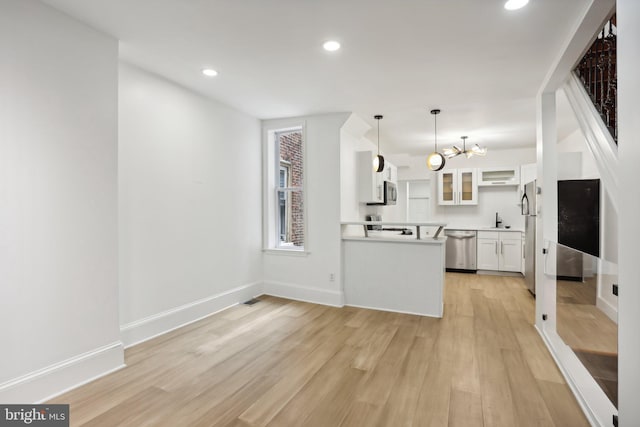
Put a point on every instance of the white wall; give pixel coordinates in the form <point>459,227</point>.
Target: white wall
<point>575,143</point>
<point>352,140</point>
<point>190,204</point>
<point>58,202</point>
<point>504,200</point>
<point>307,276</point>
<point>629,206</point>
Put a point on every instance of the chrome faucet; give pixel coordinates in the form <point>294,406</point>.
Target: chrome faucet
<point>498,220</point>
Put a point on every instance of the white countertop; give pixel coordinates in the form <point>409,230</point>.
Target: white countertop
<point>425,240</point>
<point>396,223</point>
<point>482,228</point>
<point>426,234</point>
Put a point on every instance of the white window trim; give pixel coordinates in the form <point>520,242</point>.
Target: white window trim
<point>269,205</point>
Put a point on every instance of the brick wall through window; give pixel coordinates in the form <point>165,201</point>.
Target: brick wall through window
<point>291,156</point>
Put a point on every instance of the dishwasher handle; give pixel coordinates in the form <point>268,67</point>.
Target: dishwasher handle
<point>460,234</point>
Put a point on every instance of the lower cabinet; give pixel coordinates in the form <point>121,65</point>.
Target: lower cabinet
<point>499,250</point>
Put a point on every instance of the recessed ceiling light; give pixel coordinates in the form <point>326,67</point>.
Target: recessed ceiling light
<point>209,72</point>
<point>331,45</point>
<point>515,4</point>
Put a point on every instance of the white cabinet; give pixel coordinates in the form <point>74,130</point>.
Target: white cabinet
<point>510,252</point>
<point>523,254</point>
<point>502,176</point>
<point>487,255</point>
<point>458,187</point>
<point>499,250</point>
<point>371,183</point>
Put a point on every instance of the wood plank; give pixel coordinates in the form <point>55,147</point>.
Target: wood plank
<point>465,409</point>
<point>361,414</point>
<point>378,385</point>
<point>263,411</point>
<point>562,405</point>
<point>401,406</point>
<point>465,374</point>
<point>497,405</point>
<point>536,354</point>
<point>528,402</point>
<point>334,407</point>
<point>139,410</point>
<point>432,409</point>
<point>323,383</point>
<point>376,345</point>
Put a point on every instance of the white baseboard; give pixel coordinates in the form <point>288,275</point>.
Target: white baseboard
<point>608,309</point>
<point>436,315</point>
<point>44,384</point>
<point>150,327</point>
<point>304,293</point>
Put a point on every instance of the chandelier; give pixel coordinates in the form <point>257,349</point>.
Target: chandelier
<point>454,151</point>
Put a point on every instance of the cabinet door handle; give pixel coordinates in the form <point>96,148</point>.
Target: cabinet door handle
<point>502,247</point>
<point>459,196</point>
<point>496,245</point>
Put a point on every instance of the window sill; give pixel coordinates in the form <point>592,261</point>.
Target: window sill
<point>286,252</point>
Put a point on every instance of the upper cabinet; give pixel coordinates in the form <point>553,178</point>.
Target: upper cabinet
<point>371,183</point>
<point>499,176</point>
<point>458,187</point>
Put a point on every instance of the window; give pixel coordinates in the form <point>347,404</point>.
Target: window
<point>284,208</point>
<point>284,196</point>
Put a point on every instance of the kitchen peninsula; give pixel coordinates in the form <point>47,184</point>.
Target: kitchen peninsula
<point>390,269</point>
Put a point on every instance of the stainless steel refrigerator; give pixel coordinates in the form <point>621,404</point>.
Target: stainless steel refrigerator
<point>529,210</point>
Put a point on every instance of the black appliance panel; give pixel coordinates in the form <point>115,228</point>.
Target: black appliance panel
<point>579,215</point>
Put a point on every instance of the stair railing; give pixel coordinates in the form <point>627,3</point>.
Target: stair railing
<point>598,72</point>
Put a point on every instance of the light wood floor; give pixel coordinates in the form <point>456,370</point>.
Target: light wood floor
<point>589,332</point>
<point>582,325</point>
<point>285,363</point>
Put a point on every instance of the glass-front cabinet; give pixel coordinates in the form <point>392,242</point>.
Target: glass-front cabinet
<point>447,184</point>
<point>458,187</point>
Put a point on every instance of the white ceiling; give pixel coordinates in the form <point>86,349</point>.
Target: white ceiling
<point>482,65</point>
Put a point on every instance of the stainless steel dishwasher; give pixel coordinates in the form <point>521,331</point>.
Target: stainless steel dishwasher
<point>461,250</point>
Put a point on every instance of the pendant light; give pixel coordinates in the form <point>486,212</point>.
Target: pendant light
<point>435,161</point>
<point>378,161</point>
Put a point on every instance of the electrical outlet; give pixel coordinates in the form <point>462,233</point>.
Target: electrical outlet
<point>332,277</point>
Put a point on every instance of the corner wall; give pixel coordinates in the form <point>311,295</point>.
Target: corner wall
<point>190,205</point>
<point>58,202</point>
<point>307,276</point>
